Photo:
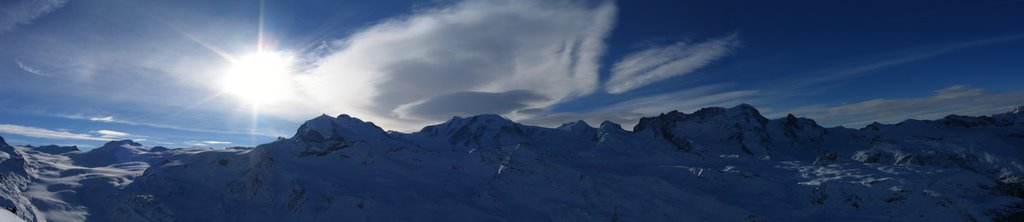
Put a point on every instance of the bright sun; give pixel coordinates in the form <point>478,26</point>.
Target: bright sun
<point>259,78</point>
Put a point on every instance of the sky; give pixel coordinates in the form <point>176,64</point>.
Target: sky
<point>244,72</point>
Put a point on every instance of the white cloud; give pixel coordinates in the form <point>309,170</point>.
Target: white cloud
<point>550,49</point>
<point>105,119</point>
<point>111,119</point>
<point>658,63</point>
<point>206,143</point>
<point>29,69</point>
<point>20,12</point>
<point>216,142</point>
<point>47,133</point>
<point>110,134</point>
<point>958,99</point>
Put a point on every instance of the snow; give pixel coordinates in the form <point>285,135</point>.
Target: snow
<point>716,164</point>
<point>7,216</point>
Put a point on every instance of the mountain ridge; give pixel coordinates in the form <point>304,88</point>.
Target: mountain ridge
<point>713,164</point>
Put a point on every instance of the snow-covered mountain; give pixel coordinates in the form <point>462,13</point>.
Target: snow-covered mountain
<point>716,164</point>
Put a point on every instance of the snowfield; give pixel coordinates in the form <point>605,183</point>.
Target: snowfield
<point>716,164</point>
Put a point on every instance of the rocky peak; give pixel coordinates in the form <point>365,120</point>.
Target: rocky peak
<point>790,118</point>
<point>799,122</point>
<point>4,147</point>
<point>7,154</point>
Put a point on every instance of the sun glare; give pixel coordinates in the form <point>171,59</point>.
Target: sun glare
<point>259,78</point>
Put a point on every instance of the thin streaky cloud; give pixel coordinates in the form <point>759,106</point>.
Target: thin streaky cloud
<point>658,63</point>
<point>24,12</point>
<point>904,57</point>
<point>957,99</point>
<point>111,134</point>
<point>47,133</point>
<point>216,142</point>
<point>105,119</point>
<point>206,143</point>
<point>29,68</point>
<point>111,119</point>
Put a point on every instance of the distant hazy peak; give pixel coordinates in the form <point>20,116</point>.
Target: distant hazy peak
<point>118,143</point>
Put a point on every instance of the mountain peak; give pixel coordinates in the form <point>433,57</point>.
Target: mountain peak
<point>746,109</point>
<point>3,143</point>
<point>578,125</point>
<point>1018,110</point>
<point>325,127</point>
<point>118,143</point>
<point>744,106</point>
<point>4,147</point>
<point>480,129</point>
<point>489,118</point>
<point>479,120</point>
<point>609,125</point>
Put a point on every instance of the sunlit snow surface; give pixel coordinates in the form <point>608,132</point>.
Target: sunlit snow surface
<point>715,164</point>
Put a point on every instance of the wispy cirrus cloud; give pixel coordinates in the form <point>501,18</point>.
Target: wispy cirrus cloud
<point>105,119</point>
<point>206,143</point>
<point>48,133</point>
<point>21,12</point>
<point>111,134</point>
<point>661,62</point>
<point>470,103</point>
<point>29,68</point>
<point>889,60</point>
<point>957,99</point>
<point>112,119</point>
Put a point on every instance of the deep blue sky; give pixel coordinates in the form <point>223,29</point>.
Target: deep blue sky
<point>82,72</point>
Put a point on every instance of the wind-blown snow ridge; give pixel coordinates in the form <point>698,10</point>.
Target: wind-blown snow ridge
<point>715,164</point>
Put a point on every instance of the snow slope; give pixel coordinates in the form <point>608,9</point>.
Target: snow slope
<point>716,164</point>
<point>7,216</point>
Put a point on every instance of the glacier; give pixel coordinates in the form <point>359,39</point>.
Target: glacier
<point>715,164</point>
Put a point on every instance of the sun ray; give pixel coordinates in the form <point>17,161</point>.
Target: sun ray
<point>206,45</point>
<point>259,33</point>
